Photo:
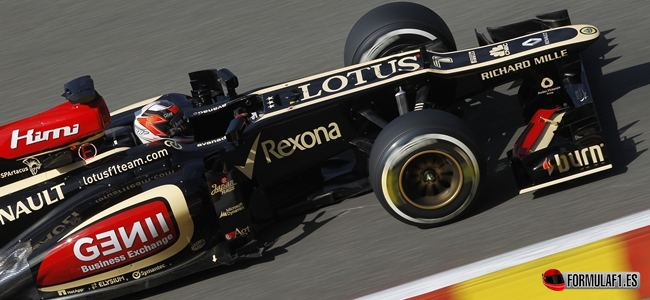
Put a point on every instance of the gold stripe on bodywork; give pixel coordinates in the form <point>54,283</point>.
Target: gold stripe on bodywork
<point>51,174</point>
<point>580,37</point>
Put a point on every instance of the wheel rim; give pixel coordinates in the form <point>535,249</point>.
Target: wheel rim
<point>399,47</point>
<point>430,179</point>
<point>394,49</point>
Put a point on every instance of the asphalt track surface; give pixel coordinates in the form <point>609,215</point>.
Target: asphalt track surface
<point>139,49</point>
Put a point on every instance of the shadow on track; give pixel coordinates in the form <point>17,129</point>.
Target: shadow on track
<point>500,118</point>
<point>607,89</point>
<point>267,239</point>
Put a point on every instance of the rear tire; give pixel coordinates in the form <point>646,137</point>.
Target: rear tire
<point>390,28</point>
<point>426,167</point>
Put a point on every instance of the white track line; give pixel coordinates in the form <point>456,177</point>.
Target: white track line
<point>514,258</point>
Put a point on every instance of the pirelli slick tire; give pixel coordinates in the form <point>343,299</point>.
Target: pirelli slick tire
<point>390,28</point>
<point>426,168</point>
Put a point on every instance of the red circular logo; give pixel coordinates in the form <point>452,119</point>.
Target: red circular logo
<point>553,280</point>
<point>87,151</point>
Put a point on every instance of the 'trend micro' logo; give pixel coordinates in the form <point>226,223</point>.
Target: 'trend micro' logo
<point>553,280</point>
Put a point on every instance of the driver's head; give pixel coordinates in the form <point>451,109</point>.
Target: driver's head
<point>162,120</point>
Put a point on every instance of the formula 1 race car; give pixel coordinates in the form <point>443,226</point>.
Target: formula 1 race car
<point>87,210</point>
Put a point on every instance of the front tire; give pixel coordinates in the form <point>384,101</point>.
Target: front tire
<point>390,28</point>
<point>426,168</point>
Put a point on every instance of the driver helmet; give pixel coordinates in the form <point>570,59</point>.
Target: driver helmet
<point>162,120</point>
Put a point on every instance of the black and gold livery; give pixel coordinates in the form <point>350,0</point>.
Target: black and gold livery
<point>126,215</point>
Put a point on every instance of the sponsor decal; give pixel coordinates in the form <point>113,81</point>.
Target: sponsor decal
<point>139,131</point>
<point>101,263</point>
<point>120,220</point>
<point>144,273</point>
<point>87,151</point>
<point>125,167</point>
<point>238,233</point>
<point>87,248</point>
<point>576,159</point>
<point>13,172</point>
<point>247,168</point>
<point>547,84</point>
<point>548,166</point>
<point>173,144</point>
<point>120,239</point>
<point>205,111</point>
<point>500,50</point>
<point>583,30</point>
<point>545,36</point>
<point>32,204</point>
<point>505,70</point>
<point>198,245</point>
<point>231,210</point>
<point>472,57</point>
<point>129,186</point>
<point>70,292</point>
<point>301,141</point>
<point>337,83</point>
<point>210,142</point>
<point>72,220</point>
<point>550,57</point>
<point>225,187</point>
<point>531,42</point>
<point>524,64</point>
<point>108,282</point>
<point>270,103</point>
<point>33,164</point>
<point>438,59</point>
<point>33,137</point>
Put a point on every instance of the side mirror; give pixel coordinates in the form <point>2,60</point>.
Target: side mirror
<point>80,90</point>
<point>235,132</point>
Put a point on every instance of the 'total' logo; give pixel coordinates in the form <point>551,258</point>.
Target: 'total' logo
<point>553,280</point>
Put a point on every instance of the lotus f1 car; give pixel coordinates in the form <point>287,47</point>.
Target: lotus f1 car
<point>86,210</point>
